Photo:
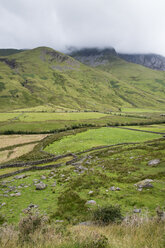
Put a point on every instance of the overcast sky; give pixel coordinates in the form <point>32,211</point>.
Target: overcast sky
<point>131,26</point>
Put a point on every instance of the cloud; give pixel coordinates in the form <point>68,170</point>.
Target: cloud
<point>132,26</point>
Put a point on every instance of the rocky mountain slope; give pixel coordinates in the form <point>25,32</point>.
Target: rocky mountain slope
<point>153,61</point>
<point>104,82</point>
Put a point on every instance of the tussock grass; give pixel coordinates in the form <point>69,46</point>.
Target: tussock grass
<point>148,234</point>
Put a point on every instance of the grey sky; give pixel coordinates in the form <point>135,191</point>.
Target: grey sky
<point>128,25</point>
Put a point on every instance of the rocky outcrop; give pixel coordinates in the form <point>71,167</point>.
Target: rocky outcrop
<point>94,56</point>
<point>153,61</point>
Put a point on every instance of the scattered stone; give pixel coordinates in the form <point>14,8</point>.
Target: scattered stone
<point>92,202</point>
<point>90,192</point>
<point>85,223</point>
<point>145,184</point>
<point>112,188</point>
<point>20,176</point>
<point>137,211</point>
<point>3,204</point>
<point>59,221</point>
<point>54,184</point>
<point>40,186</point>
<point>36,181</point>
<point>15,194</point>
<point>118,189</point>
<point>6,195</point>
<point>29,208</point>
<point>32,206</point>
<point>154,162</point>
<point>43,177</point>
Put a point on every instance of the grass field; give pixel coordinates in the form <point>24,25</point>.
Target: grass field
<point>115,166</point>
<point>141,110</point>
<point>153,128</point>
<point>97,137</point>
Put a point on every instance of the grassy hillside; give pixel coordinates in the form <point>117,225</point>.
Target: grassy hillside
<point>43,76</point>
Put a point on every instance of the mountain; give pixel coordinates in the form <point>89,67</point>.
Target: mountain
<point>103,82</point>
<point>153,61</point>
<point>6,52</point>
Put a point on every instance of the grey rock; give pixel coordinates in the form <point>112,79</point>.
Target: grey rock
<point>54,184</point>
<point>18,194</point>
<point>145,184</point>
<point>154,162</point>
<point>153,61</point>
<point>112,188</point>
<point>20,176</point>
<point>59,221</point>
<point>40,186</point>
<point>91,202</point>
<point>136,211</point>
<point>85,223</point>
<point>43,177</point>
<point>118,189</point>
<point>90,192</point>
<point>5,195</point>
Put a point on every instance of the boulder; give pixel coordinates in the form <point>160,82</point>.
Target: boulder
<point>91,202</point>
<point>154,162</point>
<point>137,211</point>
<point>40,186</point>
<point>20,176</point>
<point>43,177</point>
<point>145,184</point>
<point>112,188</point>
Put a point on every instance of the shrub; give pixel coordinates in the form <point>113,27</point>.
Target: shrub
<point>70,206</point>
<point>108,214</point>
<point>2,219</point>
<point>29,224</point>
<point>98,241</point>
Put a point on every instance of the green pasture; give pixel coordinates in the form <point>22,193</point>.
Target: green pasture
<point>7,116</point>
<point>141,110</point>
<point>98,137</point>
<point>119,166</point>
<point>153,128</point>
<point>30,117</point>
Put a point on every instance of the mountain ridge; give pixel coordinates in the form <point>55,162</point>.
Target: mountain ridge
<point>44,76</point>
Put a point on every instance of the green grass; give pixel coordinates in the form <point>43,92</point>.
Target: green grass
<point>7,116</point>
<point>140,110</point>
<point>153,128</point>
<point>97,137</point>
<point>34,117</point>
<point>116,166</point>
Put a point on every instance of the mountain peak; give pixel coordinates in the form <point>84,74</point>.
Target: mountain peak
<point>94,56</point>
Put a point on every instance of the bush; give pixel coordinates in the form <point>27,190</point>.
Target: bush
<point>98,241</point>
<point>29,224</point>
<point>108,214</point>
<point>2,219</point>
<point>70,206</point>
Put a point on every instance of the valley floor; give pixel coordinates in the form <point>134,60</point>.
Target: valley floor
<point>79,171</point>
